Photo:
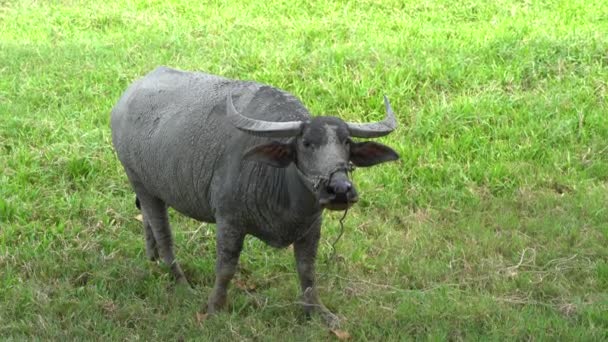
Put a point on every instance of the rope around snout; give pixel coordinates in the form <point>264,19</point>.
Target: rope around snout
<point>350,167</point>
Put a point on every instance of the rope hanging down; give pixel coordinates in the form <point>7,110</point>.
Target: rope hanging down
<point>349,169</point>
<point>333,245</point>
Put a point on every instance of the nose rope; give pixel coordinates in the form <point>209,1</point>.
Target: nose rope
<point>333,245</point>
<point>348,169</point>
<point>316,183</point>
<point>318,180</point>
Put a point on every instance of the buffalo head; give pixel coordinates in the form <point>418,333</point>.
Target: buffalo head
<point>321,149</point>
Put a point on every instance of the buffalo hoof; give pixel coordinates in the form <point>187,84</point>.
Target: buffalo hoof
<point>182,281</point>
<point>215,304</point>
<point>183,289</point>
<point>313,306</point>
<point>152,253</point>
<point>330,319</point>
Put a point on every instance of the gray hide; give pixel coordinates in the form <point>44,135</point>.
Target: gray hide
<point>171,133</point>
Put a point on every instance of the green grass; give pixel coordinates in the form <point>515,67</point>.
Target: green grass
<point>494,224</point>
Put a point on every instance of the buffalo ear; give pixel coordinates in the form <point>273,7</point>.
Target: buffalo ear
<point>369,153</point>
<point>274,153</point>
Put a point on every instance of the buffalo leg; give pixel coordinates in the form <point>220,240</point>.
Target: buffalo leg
<point>305,251</point>
<point>155,215</point>
<point>151,248</point>
<point>229,246</point>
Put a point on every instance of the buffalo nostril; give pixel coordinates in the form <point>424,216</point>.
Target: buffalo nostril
<point>344,187</point>
<point>349,186</point>
<point>339,188</point>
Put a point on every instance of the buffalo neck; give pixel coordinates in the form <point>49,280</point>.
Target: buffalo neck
<point>301,197</point>
<point>283,200</point>
<point>288,196</point>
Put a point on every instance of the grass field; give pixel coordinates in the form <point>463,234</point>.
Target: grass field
<point>494,223</point>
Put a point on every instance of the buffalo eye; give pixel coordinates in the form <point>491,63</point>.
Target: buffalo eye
<point>306,143</point>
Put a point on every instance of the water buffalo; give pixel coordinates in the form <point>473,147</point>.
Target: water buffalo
<point>268,172</point>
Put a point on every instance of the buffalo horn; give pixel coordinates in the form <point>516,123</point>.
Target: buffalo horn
<point>375,129</point>
<point>259,127</point>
